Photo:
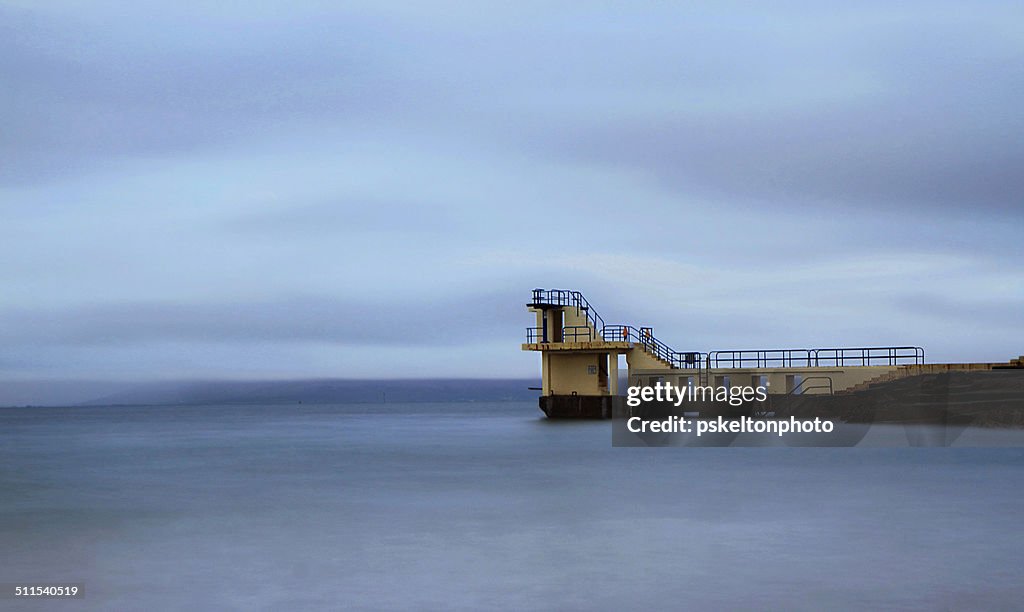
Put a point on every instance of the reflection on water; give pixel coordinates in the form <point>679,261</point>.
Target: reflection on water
<point>470,506</point>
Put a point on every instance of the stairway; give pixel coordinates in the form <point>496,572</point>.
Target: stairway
<point>932,368</point>
<point>660,360</point>
<point>902,372</point>
<point>641,338</point>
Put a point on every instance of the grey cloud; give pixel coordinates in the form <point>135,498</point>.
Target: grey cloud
<point>901,106</point>
<point>871,157</point>
<point>939,130</point>
<point>77,92</point>
<point>343,215</point>
<point>980,310</point>
<point>362,320</point>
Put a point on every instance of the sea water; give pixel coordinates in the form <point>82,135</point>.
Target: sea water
<point>487,506</point>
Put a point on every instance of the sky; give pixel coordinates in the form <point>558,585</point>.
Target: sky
<point>285,190</point>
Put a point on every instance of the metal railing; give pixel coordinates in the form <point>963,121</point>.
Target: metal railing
<point>769,358</point>
<point>876,355</point>
<point>801,389</point>
<point>566,297</point>
<point>573,333</point>
<point>534,335</point>
<point>645,337</point>
<point>642,336</point>
<point>815,358</point>
<point>764,358</point>
<point>577,333</point>
<point>611,333</point>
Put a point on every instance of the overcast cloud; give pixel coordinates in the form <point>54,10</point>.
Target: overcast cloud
<point>345,189</point>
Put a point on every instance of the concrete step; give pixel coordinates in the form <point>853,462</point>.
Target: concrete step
<point>887,377</point>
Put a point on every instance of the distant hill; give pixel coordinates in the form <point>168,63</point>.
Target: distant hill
<point>323,391</point>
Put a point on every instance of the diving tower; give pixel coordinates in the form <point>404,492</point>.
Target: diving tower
<point>580,359</point>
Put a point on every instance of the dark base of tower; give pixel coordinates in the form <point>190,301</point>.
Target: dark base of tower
<point>580,406</point>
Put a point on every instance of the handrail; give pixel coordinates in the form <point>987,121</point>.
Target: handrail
<point>566,297</point>
<point>798,390</point>
<point>762,358</point>
<point>628,333</point>
<point>574,332</point>
<point>611,333</point>
<point>534,334</point>
<point>683,360</point>
<point>889,355</point>
<point>765,358</point>
<point>824,357</point>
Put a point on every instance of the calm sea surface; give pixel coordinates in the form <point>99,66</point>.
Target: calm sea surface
<point>487,506</point>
